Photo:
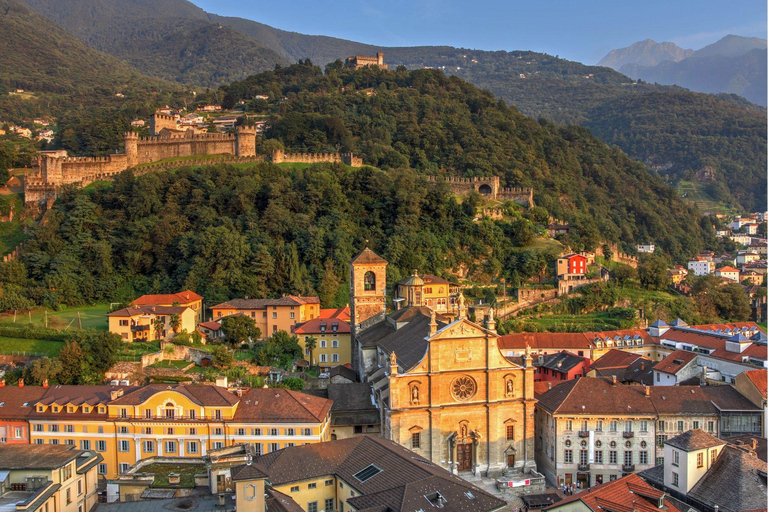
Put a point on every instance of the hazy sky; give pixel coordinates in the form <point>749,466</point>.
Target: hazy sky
<point>577,30</point>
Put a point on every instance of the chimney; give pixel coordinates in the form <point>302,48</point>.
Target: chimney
<point>754,443</point>
<point>21,383</point>
<point>703,376</point>
<point>559,364</point>
<point>549,385</point>
<point>642,366</point>
<point>647,390</point>
<point>45,383</point>
<point>613,380</point>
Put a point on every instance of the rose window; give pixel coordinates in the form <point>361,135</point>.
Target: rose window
<point>463,388</point>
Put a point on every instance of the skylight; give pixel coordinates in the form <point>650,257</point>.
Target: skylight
<point>368,473</point>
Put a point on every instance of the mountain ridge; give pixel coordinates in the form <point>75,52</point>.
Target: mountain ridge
<point>644,53</point>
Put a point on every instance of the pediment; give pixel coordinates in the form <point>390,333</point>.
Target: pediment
<point>462,328</point>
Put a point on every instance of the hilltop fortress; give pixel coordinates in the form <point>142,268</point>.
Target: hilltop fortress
<point>489,187</point>
<point>51,170</point>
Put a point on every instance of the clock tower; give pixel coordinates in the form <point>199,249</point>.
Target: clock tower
<point>367,294</point>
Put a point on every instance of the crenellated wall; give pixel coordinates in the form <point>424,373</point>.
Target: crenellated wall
<point>312,158</point>
<point>489,187</point>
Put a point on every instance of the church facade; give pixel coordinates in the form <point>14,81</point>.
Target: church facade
<point>442,386</point>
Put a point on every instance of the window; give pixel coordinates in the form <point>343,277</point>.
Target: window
<point>85,444</point>
<point>38,428</point>
<point>123,446</point>
<point>334,358</point>
<point>123,430</point>
<point>273,447</point>
<point>67,472</point>
<point>290,432</point>
<point>628,426</point>
<point>240,432</point>
<point>123,413</point>
<point>170,431</point>
<point>69,428</point>
<point>312,486</point>
<point>599,457</point>
<point>293,315</point>
<point>69,496</point>
<point>510,431</point>
<point>660,440</point>
<point>680,426</point>
<point>366,474</point>
<point>568,456</point>
<point>218,445</point>
<point>192,414</point>
<point>192,447</point>
<point>123,323</point>
<point>149,447</point>
<point>643,457</point>
<point>53,428</point>
<point>700,460</point>
<point>70,442</point>
<point>712,455</point>
<point>101,446</point>
<point>643,426</point>
<point>710,426</point>
<point>312,506</point>
<point>675,458</point>
<point>583,457</point>
<point>416,440</point>
<point>80,487</point>
<point>328,482</point>
<point>258,448</point>
<point>255,431</point>
<point>192,431</point>
<point>123,467</point>
<point>102,469</point>
<point>295,488</point>
<point>307,431</point>
<point>329,503</point>
<point>273,432</point>
<point>323,343</point>
<point>695,425</point>
<point>661,426</point>
<point>323,358</point>
<point>628,458</point>
<point>614,426</point>
<point>612,457</point>
<point>369,281</point>
<point>170,447</point>
<point>148,413</point>
<point>675,479</point>
<point>569,425</point>
<point>334,343</point>
<point>274,315</point>
<point>217,414</point>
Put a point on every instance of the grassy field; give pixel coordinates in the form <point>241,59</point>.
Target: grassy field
<point>170,364</point>
<point>91,317</point>
<point>24,345</point>
<point>694,192</point>
<point>598,321</point>
<point>11,233</point>
<point>546,244</point>
<point>186,471</point>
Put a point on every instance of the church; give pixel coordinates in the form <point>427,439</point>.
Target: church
<point>440,382</point>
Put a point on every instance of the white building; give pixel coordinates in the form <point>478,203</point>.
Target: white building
<point>701,267</point>
<point>646,248</point>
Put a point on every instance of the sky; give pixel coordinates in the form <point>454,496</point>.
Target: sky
<point>583,30</point>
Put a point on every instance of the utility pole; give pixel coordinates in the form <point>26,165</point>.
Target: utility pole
<point>46,318</point>
<point>79,321</point>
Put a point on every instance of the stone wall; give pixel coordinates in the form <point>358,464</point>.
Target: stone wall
<point>489,187</point>
<point>313,158</point>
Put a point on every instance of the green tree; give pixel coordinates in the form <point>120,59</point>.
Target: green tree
<point>73,364</point>
<point>222,356</point>
<point>310,343</point>
<point>175,322</point>
<point>239,329</point>
<point>652,272</point>
<point>280,349</point>
<point>158,326</point>
<point>45,369</point>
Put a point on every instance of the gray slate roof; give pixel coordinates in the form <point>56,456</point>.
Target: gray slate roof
<point>735,482</point>
<point>694,440</point>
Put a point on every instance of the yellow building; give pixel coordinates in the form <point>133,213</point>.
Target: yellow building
<point>48,478</point>
<point>186,298</point>
<point>332,341</point>
<point>427,290</point>
<point>271,315</point>
<point>127,424</point>
<point>137,323</point>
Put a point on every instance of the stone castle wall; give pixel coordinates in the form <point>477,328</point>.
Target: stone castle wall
<point>312,158</point>
<point>489,187</point>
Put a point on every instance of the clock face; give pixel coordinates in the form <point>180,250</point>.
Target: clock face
<point>463,388</point>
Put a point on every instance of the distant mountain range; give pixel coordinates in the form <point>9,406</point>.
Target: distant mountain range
<point>734,64</point>
<point>175,40</point>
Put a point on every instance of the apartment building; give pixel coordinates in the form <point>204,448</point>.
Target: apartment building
<point>271,315</point>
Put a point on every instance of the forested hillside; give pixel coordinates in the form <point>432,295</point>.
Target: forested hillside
<point>264,229</point>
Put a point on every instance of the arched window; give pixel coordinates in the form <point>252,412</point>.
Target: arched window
<point>369,281</point>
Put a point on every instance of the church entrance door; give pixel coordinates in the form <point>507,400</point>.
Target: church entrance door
<point>464,456</point>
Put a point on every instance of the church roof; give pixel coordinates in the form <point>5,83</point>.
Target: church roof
<point>367,256</point>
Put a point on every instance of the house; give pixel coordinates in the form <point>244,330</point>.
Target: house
<point>749,228</point>
<point>146,323</point>
<point>746,257</point>
<point>677,367</point>
<point>647,248</point>
<point>362,473</point>
<point>354,410</point>
<point>701,266</point>
<point>210,108</point>
<point>46,135</point>
<point>753,384</point>
<point>559,367</point>
<point>48,478</point>
<point>556,229</point>
<point>41,121</point>
<point>186,298</point>
<point>677,275</point>
<point>709,474</point>
<point>741,238</point>
<point>271,315</point>
<point>628,494</point>
<point>14,426</point>
<point>332,341</point>
<point>138,123</point>
<point>340,313</point>
<point>729,273</point>
<point>427,290</point>
<point>212,330</point>
<point>628,367</point>
<point>571,264</point>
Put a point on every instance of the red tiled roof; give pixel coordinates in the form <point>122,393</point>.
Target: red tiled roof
<point>184,297</point>
<point>280,405</point>
<point>760,379</point>
<point>595,395</point>
<point>340,313</point>
<point>148,310</point>
<point>629,493</point>
<point>675,362</point>
<point>727,269</point>
<point>214,326</point>
<point>615,358</point>
<point>544,340</point>
<point>315,325</point>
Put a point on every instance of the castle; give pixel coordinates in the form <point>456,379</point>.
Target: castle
<point>489,187</point>
<point>51,170</point>
<point>360,61</point>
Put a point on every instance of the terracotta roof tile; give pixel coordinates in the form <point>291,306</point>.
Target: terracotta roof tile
<point>322,325</point>
<point>13,399</point>
<point>629,493</point>
<point>760,379</point>
<point>366,257</point>
<point>545,340</point>
<point>675,362</point>
<point>340,313</point>
<point>184,297</point>
<point>281,405</point>
<point>594,395</point>
<point>615,358</point>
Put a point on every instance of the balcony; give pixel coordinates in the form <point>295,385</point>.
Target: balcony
<point>139,328</point>
<point>583,467</point>
<point>628,435</point>
<point>583,433</point>
<point>628,468</point>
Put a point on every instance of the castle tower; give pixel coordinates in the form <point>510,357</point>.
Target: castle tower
<point>245,141</point>
<point>158,121</point>
<point>131,149</point>
<point>367,295</point>
<point>380,59</point>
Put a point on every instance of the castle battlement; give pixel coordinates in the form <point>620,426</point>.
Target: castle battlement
<point>487,186</point>
<point>186,136</point>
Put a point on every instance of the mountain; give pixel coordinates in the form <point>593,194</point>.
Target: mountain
<point>644,53</point>
<point>262,230</point>
<point>170,39</point>
<point>539,85</point>
<point>734,64</point>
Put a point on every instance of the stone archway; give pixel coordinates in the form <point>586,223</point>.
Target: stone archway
<point>485,189</point>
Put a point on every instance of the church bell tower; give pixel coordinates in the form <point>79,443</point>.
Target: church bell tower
<point>367,294</point>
